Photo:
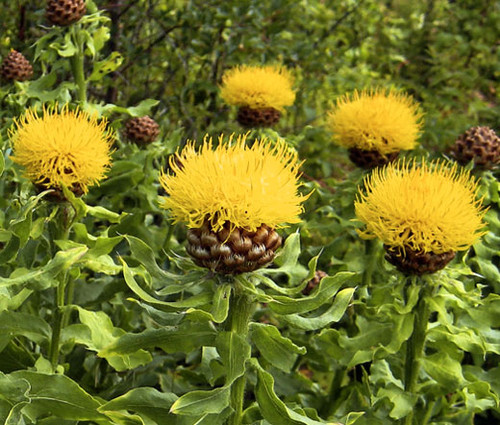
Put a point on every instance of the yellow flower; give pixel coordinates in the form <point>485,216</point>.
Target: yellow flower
<point>376,120</point>
<point>235,184</point>
<point>258,87</point>
<point>426,208</point>
<point>68,148</point>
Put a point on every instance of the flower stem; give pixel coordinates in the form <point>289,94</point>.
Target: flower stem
<point>415,344</point>
<point>241,307</point>
<point>77,64</point>
<point>57,321</point>
<point>333,392</point>
<point>60,318</point>
<point>371,249</point>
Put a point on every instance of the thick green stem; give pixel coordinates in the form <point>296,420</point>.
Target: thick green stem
<point>371,249</point>
<point>333,392</point>
<point>415,344</point>
<point>241,308</point>
<point>57,321</point>
<point>59,318</point>
<point>77,65</point>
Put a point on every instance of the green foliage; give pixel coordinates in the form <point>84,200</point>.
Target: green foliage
<point>103,317</point>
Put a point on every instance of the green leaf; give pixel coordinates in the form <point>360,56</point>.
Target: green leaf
<point>13,398</point>
<point>199,403</point>
<point>97,333</point>
<point>60,395</point>
<point>32,327</point>
<point>193,301</point>
<point>287,260</point>
<point>333,314</point>
<point>63,260</point>
<point>327,289</point>
<point>10,251</point>
<point>171,339</point>
<point>276,349</point>
<point>145,401</point>
<point>271,407</point>
<point>234,351</point>
<point>110,64</point>
<point>445,370</point>
<point>66,48</point>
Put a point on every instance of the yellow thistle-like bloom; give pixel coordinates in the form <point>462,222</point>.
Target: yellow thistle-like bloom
<point>69,148</point>
<point>376,120</point>
<point>235,184</point>
<point>258,87</point>
<point>426,208</point>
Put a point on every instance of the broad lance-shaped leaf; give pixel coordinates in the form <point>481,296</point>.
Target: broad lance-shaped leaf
<point>171,339</point>
<point>234,351</point>
<point>170,283</point>
<point>60,396</point>
<point>447,372</point>
<point>205,419</point>
<point>373,336</point>
<point>327,289</point>
<point>220,306</point>
<point>198,300</point>
<point>96,332</point>
<point>199,403</point>
<point>11,249</point>
<point>13,398</point>
<point>260,275</point>
<point>333,314</point>
<point>145,401</point>
<point>287,260</point>
<point>63,260</point>
<point>32,327</point>
<point>271,407</point>
<point>281,352</point>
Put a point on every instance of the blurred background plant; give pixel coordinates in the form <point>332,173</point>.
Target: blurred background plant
<point>164,59</point>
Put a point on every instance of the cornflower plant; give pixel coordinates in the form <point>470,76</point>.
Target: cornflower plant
<point>410,333</point>
<point>233,198</point>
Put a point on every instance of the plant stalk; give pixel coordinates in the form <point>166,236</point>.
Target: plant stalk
<point>77,65</point>
<point>415,344</point>
<point>60,318</point>
<point>241,308</point>
<point>57,321</point>
<point>371,249</point>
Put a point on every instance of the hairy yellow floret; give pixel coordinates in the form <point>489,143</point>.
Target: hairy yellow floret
<point>68,148</point>
<point>234,183</point>
<point>385,121</point>
<point>258,87</point>
<point>429,207</point>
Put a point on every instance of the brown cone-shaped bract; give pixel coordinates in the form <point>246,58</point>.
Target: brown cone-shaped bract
<point>418,263</point>
<point>232,252</point>
<point>478,144</point>
<point>370,159</point>
<point>264,117</point>
<point>142,130</point>
<point>65,12</point>
<point>15,67</point>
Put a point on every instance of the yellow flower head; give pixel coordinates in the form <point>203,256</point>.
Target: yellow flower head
<point>258,87</point>
<point>243,186</point>
<point>68,148</point>
<point>376,120</point>
<point>428,207</point>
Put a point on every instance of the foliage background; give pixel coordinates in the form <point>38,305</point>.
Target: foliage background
<point>444,53</point>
